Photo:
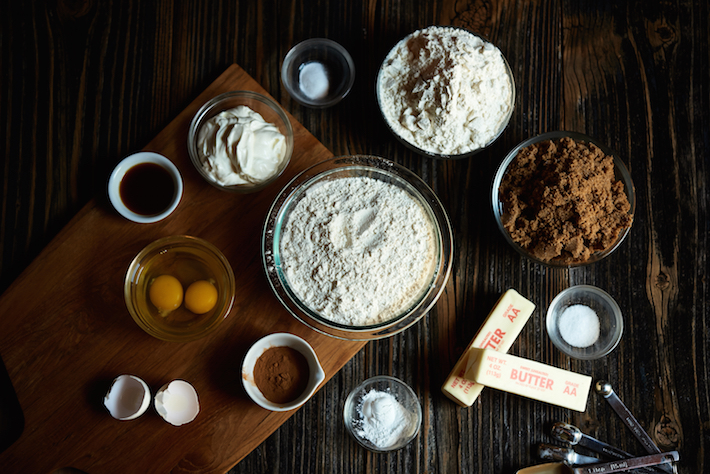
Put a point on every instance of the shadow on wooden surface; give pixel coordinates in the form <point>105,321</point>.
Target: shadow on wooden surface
<point>12,420</point>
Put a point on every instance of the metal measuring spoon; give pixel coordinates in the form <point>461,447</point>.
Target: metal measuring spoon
<point>549,452</point>
<point>605,467</point>
<point>574,436</point>
<point>603,388</point>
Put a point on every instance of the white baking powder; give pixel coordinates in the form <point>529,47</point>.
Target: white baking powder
<point>579,325</point>
<point>383,420</point>
<point>445,90</point>
<point>358,250</point>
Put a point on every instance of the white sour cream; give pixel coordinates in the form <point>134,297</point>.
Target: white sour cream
<point>238,146</point>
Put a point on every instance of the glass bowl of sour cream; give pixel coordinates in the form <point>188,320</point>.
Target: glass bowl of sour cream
<point>357,247</point>
<point>240,141</point>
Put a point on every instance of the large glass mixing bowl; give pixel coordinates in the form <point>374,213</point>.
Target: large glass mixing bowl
<point>357,166</point>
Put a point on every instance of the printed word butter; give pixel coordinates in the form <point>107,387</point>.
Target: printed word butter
<point>531,379</point>
<point>498,332</point>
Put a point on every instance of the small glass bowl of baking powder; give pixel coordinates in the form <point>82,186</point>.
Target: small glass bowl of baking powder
<point>445,92</point>
<point>231,163</point>
<point>584,322</point>
<point>382,414</point>
<point>318,73</point>
<point>500,201</point>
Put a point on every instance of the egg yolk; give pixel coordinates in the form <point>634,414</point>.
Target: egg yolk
<point>200,297</point>
<point>166,293</point>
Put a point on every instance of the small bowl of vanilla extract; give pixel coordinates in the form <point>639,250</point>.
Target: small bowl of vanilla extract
<point>145,187</point>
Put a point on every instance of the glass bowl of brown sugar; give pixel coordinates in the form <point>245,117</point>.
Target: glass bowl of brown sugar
<point>563,199</point>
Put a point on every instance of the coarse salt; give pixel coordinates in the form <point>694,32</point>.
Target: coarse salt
<point>579,325</point>
<point>313,80</point>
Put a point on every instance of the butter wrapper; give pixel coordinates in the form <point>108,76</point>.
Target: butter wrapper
<point>531,379</point>
<point>498,332</point>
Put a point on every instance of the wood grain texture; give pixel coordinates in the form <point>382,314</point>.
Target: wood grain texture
<point>71,335</point>
<point>85,83</point>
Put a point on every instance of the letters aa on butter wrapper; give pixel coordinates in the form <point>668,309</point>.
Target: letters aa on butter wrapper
<point>498,332</point>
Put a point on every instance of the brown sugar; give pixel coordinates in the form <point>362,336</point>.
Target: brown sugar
<point>281,374</point>
<point>562,202</point>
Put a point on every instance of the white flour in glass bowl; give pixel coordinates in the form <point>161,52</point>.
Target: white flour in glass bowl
<point>445,90</point>
<point>358,251</point>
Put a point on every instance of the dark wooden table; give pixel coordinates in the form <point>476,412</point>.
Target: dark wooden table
<point>86,83</point>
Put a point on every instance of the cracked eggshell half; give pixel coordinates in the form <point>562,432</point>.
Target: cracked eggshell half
<point>176,402</point>
<point>127,398</point>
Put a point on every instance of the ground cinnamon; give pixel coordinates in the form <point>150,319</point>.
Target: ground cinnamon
<point>281,374</point>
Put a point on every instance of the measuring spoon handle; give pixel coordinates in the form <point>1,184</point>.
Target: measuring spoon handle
<point>627,464</point>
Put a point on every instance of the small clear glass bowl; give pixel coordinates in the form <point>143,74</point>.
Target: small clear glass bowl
<point>336,61</point>
<point>620,173</point>
<point>270,111</point>
<point>611,322</point>
<point>429,153</point>
<point>356,166</point>
<point>188,259</point>
<point>404,395</point>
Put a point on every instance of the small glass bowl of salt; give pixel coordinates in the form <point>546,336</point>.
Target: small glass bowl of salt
<point>318,72</point>
<point>584,322</point>
<point>383,414</point>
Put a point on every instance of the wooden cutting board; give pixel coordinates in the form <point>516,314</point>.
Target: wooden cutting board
<point>65,332</point>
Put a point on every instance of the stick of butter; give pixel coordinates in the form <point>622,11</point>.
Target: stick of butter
<point>531,379</point>
<point>498,332</point>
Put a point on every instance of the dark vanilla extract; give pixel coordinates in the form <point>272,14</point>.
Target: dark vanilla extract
<point>147,189</point>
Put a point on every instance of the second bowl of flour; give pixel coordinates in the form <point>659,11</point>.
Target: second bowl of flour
<point>445,92</point>
<point>357,247</point>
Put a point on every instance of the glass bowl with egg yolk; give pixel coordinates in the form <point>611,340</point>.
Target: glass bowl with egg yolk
<point>179,288</point>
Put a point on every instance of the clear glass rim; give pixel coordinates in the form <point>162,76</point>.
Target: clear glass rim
<point>582,354</point>
<point>350,400</point>
<point>304,45</point>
